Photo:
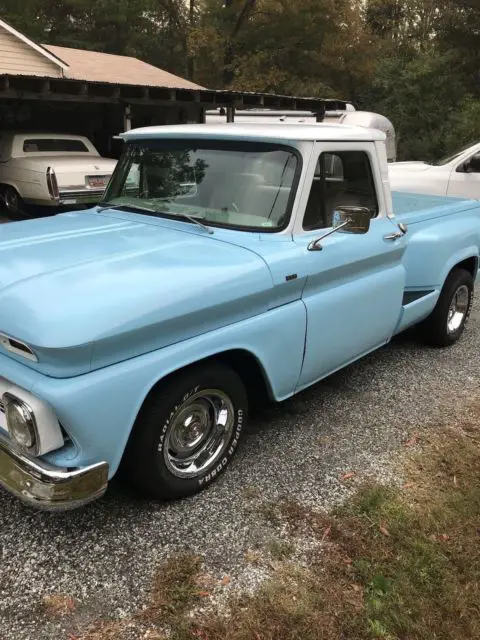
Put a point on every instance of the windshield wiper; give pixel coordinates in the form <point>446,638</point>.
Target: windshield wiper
<point>187,216</point>
<point>114,205</point>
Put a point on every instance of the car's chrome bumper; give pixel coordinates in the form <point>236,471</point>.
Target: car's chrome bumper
<point>81,196</point>
<point>48,487</point>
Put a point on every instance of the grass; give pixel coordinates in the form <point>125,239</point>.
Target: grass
<point>280,549</point>
<point>395,564</point>
<point>176,587</point>
<point>392,563</point>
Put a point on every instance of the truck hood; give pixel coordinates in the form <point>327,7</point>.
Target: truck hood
<point>409,166</point>
<point>86,290</point>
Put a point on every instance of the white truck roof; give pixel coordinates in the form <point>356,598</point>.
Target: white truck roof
<point>260,131</point>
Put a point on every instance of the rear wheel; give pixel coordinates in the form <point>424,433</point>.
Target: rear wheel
<point>447,322</point>
<point>12,202</point>
<point>188,432</point>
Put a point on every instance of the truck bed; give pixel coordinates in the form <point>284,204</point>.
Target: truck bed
<point>413,208</point>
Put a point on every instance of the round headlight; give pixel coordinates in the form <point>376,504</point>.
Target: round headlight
<point>21,423</point>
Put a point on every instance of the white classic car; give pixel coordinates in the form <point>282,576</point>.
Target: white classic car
<point>456,175</point>
<point>50,169</point>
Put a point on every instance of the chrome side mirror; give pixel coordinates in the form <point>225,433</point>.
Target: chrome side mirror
<point>352,219</point>
<point>345,220</point>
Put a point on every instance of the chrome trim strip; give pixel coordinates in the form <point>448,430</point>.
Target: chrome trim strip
<point>67,193</point>
<point>45,486</point>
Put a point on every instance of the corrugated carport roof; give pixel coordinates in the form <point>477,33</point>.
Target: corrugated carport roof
<point>21,87</point>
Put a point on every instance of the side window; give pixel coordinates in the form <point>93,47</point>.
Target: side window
<point>132,185</point>
<point>342,178</point>
<point>472,165</point>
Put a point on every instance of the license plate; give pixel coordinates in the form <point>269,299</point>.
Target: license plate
<point>97,182</point>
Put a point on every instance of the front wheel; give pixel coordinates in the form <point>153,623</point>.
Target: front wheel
<point>187,432</point>
<point>447,322</point>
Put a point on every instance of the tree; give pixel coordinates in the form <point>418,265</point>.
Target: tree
<point>419,95</point>
<point>277,45</point>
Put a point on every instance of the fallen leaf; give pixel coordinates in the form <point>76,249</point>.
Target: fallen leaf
<point>413,440</point>
<point>58,604</point>
<point>225,580</point>
<point>203,594</point>
<point>383,530</point>
<point>357,587</point>
<point>326,533</point>
<point>347,561</point>
<point>443,537</point>
<point>408,485</point>
<point>455,480</point>
<point>347,476</point>
<point>252,556</point>
<point>205,580</point>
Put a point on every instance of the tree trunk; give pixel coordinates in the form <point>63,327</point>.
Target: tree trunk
<point>229,54</point>
<point>190,58</point>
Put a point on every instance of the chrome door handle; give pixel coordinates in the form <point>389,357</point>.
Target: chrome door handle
<point>393,236</point>
<point>402,230</point>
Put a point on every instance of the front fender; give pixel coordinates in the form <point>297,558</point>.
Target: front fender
<point>98,409</point>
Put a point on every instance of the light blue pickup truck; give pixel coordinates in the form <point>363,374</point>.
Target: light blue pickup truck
<point>226,263</point>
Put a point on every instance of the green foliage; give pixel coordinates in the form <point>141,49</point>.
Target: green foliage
<point>416,61</point>
<point>419,94</point>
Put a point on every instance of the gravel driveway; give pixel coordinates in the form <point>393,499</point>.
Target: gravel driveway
<point>105,554</point>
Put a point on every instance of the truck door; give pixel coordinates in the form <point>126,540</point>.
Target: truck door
<point>355,284</point>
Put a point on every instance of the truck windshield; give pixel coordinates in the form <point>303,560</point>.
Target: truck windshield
<point>450,158</point>
<point>250,186</point>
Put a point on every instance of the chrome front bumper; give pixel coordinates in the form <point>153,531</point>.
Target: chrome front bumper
<point>45,486</point>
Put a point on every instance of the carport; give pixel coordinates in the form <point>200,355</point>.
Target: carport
<point>62,90</point>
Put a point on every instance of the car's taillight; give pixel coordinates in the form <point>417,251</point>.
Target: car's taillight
<point>52,183</point>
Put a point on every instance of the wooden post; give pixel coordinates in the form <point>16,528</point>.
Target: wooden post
<point>127,118</point>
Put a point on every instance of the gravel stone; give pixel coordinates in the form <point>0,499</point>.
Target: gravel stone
<point>105,554</point>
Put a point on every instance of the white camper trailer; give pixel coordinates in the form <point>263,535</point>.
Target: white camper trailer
<point>347,116</point>
<point>367,119</point>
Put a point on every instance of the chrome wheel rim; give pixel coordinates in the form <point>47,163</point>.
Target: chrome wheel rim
<point>199,433</point>
<point>458,309</point>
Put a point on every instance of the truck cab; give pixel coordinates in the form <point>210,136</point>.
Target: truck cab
<point>225,263</point>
